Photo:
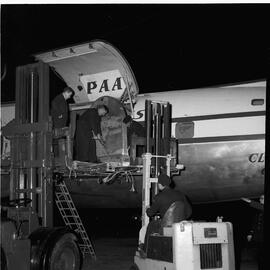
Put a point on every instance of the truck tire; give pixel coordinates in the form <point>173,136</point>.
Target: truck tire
<point>55,249</point>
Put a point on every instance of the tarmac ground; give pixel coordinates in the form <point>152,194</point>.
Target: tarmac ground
<point>114,234</point>
<point>118,253</point>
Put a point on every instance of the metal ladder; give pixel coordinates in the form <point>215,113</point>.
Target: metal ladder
<point>71,217</point>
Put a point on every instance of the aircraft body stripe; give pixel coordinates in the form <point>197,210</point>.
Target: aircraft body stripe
<point>217,116</point>
<point>222,139</point>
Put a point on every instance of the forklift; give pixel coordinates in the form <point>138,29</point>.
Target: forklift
<point>29,239</point>
<point>185,245</point>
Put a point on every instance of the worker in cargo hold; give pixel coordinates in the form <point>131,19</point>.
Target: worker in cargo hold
<point>87,131</point>
<point>171,205</point>
<point>59,108</point>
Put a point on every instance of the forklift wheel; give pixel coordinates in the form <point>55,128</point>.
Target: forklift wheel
<point>134,267</point>
<point>65,255</point>
<point>3,260</point>
<point>55,249</point>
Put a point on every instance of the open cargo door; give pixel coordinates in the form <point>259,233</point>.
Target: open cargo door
<point>98,74</point>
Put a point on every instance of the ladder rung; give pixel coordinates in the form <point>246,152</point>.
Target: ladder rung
<point>83,232</point>
<point>73,219</point>
<point>68,209</point>
<point>66,203</point>
<point>66,200</point>
<point>61,192</point>
<point>85,247</point>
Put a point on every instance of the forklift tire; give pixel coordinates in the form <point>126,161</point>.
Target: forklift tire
<point>134,267</point>
<point>55,249</point>
<point>65,254</point>
<point>3,260</point>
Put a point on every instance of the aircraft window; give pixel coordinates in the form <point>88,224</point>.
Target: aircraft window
<point>257,102</point>
<point>184,130</point>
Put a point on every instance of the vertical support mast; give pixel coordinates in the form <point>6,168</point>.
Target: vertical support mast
<point>31,141</point>
<point>158,128</point>
<point>146,187</point>
<point>158,133</point>
<point>32,173</point>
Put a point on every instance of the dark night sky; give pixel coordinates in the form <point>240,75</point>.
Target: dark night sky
<point>169,46</point>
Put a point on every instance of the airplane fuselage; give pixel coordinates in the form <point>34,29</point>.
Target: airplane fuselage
<point>221,143</point>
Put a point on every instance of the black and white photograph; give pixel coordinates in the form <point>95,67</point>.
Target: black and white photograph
<point>133,135</point>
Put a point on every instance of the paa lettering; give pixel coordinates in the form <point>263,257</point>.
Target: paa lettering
<point>104,86</point>
<point>256,157</point>
<point>139,114</point>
